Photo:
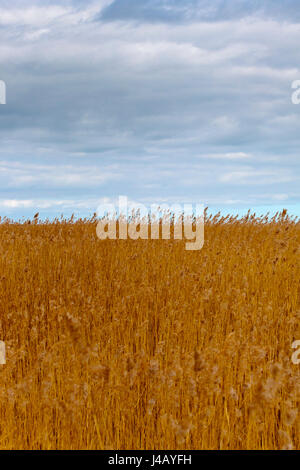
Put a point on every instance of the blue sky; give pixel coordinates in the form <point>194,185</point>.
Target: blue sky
<point>162,101</point>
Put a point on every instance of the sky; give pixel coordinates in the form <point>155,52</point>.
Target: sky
<point>162,101</point>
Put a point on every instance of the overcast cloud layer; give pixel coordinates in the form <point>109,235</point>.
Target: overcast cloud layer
<point>161,101</point>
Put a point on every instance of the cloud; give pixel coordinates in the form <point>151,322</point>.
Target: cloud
<point>30,15</point>
<point>45,204</point>
<point>24,14</point>
<point>229,156</point>
<point>280,197</point>
<point>257,177</point>
<point>15,175</point>
<point>164,100</point>
<point>16,203</point>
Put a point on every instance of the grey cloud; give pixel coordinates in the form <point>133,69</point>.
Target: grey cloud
<point>159,106</point>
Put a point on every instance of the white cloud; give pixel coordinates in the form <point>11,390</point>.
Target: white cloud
<point>34,35</point>
<point>16,174</point>
<point>257,177</point>
<point>280,197</point>
<point>50,14</point>
<point>33,16</point>
<point>16,203</point>
<point>41,204</point>
<point>228,156</point>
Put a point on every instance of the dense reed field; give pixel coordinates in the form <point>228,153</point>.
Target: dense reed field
<point>123,344</point>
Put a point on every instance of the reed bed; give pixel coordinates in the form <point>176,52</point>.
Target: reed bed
<point>123,344</point>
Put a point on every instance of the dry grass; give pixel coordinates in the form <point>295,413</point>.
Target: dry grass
<point>143,345</point>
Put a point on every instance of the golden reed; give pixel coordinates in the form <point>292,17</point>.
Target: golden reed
<point>123,344</point>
